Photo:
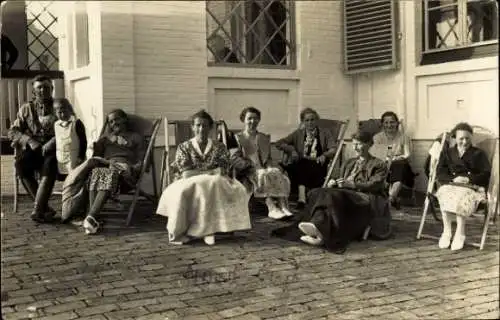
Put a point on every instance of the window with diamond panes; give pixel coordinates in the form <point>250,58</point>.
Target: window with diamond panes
<point>454,24</point>
<point>43,53</point>
<point>251,32</point>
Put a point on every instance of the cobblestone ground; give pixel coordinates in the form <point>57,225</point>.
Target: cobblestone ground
<point>57,272</point>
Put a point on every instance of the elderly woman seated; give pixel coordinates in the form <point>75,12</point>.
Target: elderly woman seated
<point>463,173</point>
<point>340,213</point>
<point>204,200</point>
<point>253,163</point>
<point>309,148</point>
<point>397,147</point>
<point>114,168</point>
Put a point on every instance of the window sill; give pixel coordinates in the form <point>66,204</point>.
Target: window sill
<point>252,73</point>
<point>477,51</point>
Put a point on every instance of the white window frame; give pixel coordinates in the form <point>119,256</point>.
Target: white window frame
<point>462,27</point>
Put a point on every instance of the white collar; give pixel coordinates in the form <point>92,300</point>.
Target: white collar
<point>66,123</point>
<point>196,146</point>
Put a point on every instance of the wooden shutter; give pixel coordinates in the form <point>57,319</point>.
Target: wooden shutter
<point>369,35</point>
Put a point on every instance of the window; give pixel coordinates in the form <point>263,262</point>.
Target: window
<point>459,26</point>
<point>81,35</point>
<point>251,32</point>
<point>41,31</point>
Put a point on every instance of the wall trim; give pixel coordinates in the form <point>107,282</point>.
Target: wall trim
<point>458,66</point>
<point>247,73</point>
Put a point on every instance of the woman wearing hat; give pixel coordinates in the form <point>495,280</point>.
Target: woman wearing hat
<point>354,200</point>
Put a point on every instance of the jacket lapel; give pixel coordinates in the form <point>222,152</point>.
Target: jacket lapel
<point>301,133</point>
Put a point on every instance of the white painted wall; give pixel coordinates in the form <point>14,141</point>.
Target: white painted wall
<point>430,98</point>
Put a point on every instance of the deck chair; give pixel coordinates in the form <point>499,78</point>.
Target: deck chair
<point>374,126</point>
<point>182,132</point>
<point>338,129</point>
<point>149,129</point>
<point>488,142</point>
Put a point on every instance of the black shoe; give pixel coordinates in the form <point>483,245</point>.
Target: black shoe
<point>37,217</point>
<point>396,204</point>
<point>301,205</point>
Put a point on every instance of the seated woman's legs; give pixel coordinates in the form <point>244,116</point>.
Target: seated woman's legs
<point>26,166</point>
<point>307,174</point>
<point>394,190</point>
<point>446,236</point>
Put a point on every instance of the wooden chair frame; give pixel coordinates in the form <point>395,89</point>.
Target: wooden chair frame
<point>182,132</point>
<point>344,124</point>
<point>148,164</point>
<point>491,202</point>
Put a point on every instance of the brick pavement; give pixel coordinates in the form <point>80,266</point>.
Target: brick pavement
<point>57,272</point>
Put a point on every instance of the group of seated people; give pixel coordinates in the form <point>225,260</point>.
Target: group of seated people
<point>213,185</point>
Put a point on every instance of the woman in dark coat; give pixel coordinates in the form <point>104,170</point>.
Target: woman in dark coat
<point>463,174</point>
<point>340,213</point>
<point>309,148</point>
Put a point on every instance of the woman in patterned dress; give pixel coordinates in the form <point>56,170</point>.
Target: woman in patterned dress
<point>204,200</point>
<point>309,148</point>
<point>116,164</point>
<point>253,161</point>
<point>463,174</point>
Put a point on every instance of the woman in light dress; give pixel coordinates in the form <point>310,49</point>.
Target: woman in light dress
<point>463,174</point>
<point>398,148</point>
<point>253,161</point>
<point>203,200</point>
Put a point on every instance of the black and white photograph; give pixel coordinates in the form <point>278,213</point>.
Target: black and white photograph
<point>249,159</point>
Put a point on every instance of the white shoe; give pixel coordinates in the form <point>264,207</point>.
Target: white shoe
<point>90,225</point>
<point>287,212</point>
<point>311,240</point>
<point>310,229</point>
<point>458,242</point>
<point>210,240</point>
<point>276,214</point>
<point>444,241</point>
<point>181,241</point>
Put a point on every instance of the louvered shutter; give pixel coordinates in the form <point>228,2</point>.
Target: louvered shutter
<point>369,35</point>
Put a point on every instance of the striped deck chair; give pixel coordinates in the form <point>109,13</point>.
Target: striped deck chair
<point>149,129</point>
<point>488,142</point>
<point>176,132</point>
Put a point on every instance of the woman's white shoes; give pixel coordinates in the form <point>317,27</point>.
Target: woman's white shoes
<point>210,240</point>
<point>458,242</point>
<point>287,212</point>
<point>311,240</point>
<point>276,214</point>
<point>312,235</point>
<point>444,241</point>
<point>90,225</point>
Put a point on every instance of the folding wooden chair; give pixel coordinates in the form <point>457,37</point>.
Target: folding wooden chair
<point>488,142</point>
<point>374,126</point>
<point>182,132</point>
<point>149,129</point>
<point>338,129</point>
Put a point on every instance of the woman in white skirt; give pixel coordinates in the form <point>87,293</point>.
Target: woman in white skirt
<point>253,162</point>
<point>463,174</point>
<point>203,200</point>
